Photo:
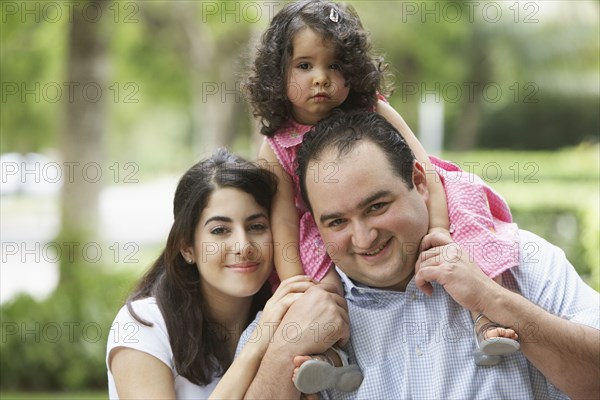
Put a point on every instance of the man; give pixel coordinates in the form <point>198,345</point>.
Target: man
<point>409,310</point>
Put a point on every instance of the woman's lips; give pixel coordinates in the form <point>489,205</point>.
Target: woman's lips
<point>244,267</point>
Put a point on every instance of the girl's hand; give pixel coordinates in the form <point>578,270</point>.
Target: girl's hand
<point>435,237</point>
<point>288,291</point>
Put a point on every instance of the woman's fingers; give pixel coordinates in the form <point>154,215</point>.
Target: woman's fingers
<point>298,283</point>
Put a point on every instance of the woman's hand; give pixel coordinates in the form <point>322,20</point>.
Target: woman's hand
<point>286,294</point>
<point>242,371</point>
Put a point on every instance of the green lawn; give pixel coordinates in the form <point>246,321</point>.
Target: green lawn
<point>53,395</point>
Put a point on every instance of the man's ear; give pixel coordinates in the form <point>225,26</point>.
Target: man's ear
<point>419,179</point>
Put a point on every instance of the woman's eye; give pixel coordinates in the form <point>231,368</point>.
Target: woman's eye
<point>219,230</point>
<point>258,227</point>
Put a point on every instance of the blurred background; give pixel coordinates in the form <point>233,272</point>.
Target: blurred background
<point>106,103</point>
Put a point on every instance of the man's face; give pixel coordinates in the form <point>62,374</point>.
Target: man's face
<point>370,221</point>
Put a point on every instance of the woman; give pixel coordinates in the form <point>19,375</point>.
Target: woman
<point>177,334</point>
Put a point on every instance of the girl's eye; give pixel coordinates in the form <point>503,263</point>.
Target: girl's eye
<point>304,66</point>
<point>335,66</point>
<point>219,230</point>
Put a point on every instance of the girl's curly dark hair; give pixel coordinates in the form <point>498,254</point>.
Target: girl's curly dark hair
<point>265,87</point>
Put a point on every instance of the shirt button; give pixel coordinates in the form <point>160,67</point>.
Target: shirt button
<point>414,296</point>
<point>418,351</point>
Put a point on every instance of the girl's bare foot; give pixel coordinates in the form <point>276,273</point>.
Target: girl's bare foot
<point>298,361</point>
<point>498,331</point>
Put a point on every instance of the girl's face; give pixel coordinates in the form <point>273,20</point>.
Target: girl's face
<point>233,246</point>
<point>315,85</point>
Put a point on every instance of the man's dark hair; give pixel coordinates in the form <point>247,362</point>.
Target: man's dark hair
<point>343,132</point>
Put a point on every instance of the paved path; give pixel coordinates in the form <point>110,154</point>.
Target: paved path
<point>131,215</point>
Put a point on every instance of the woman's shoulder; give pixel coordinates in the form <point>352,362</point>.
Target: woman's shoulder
<point>146,311</point>
<point>145,331</point>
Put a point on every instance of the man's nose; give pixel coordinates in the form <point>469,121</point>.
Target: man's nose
<point>363,236</point>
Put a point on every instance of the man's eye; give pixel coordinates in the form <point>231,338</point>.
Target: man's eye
<point>377,206</point>
<point>335,222</point>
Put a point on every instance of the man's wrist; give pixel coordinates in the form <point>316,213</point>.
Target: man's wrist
<point>504,307</point>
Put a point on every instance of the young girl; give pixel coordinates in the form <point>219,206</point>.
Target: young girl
<point>314,58</point>
<point>177,334</point>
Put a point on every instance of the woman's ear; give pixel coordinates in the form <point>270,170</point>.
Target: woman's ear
<point>188,255</point>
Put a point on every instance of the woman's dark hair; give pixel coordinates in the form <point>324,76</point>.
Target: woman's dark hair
<point>196,340</point>
<point>265,87</point>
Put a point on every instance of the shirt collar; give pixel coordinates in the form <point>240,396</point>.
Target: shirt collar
<point>358,292</point>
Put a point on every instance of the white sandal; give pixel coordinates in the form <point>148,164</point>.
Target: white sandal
<point>497,346</point>
<point>320,373</point>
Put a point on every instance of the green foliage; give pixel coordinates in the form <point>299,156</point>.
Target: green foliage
<point>60,342</point>
<point>33,75</point>
<point>545,123</point>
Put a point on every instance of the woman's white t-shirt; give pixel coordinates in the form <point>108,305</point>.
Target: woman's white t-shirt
<point>126,331</point>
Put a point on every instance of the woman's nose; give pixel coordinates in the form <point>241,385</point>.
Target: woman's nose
<point>243,247</point>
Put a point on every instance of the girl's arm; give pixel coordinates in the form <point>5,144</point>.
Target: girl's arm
<point>284,219</point>
<point>139,375</point>
<point>242,371</point>
<point>436,204</point>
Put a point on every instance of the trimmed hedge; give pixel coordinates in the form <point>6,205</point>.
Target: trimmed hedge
<point>60,343</point>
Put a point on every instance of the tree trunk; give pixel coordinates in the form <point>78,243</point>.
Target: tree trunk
<point>478,77</point>
<point>83,136</point>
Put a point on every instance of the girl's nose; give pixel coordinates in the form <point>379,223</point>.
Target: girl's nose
<point>321,78</point>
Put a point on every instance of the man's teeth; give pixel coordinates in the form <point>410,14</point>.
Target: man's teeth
<point>376,251</point>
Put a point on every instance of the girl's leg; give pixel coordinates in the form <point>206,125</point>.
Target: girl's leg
<point>492,339</point>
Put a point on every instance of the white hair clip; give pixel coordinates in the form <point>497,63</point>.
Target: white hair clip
<point>334,16</point>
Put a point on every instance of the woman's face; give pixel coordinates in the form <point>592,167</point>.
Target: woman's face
<point>233,246</point>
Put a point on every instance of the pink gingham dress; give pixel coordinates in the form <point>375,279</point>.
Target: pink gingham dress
<point>480,220</point>
<point>285,144</point>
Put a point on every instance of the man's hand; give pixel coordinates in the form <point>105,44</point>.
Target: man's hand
<point>446,263</point>
<point>314,322</point>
